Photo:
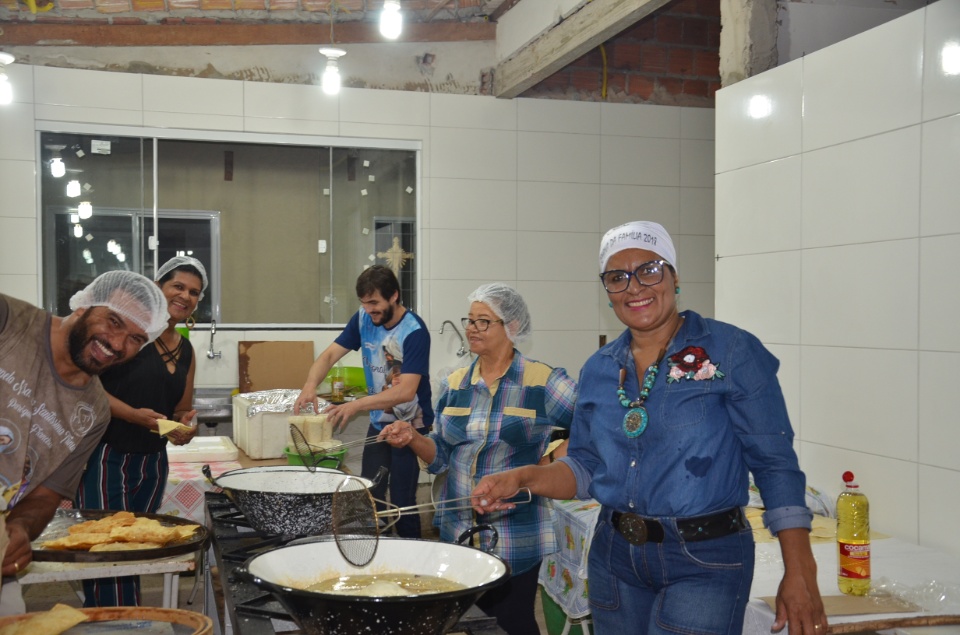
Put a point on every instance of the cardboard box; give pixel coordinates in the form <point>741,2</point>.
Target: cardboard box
<point>263,435</point>
<point>273,365</point>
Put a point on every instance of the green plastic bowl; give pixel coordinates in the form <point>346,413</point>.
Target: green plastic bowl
<point>335,461</point>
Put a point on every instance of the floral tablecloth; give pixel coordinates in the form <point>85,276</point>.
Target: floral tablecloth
<point>186,485</point>
<point>564,574</point>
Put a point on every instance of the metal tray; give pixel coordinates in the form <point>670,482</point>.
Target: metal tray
<point>63,519</point>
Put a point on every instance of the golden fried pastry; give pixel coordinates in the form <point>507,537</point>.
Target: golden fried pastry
<point>77,542</point>
<point>145,530</point>
<point>53,622</point>
<point>125,546</point>
<point>105,524</point>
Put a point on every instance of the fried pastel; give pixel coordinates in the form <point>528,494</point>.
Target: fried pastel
<point>144,530</point>
<point>125,546</point>
<point>53,622</point>
<point>104,525</point>
<point>77,542</point>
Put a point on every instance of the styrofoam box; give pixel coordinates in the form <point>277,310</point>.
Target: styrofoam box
<point>202,450</point>
<point>262,436</point>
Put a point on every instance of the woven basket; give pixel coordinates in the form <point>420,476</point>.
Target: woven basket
<point>201,624</point>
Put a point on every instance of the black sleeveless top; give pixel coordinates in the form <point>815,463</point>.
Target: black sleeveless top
<point>145,382</point>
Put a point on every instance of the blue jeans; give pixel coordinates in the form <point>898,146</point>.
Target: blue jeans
<point>404,474</point>
<point>670,587</point>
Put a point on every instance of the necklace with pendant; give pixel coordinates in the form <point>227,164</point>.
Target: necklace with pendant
<point>636,419</point>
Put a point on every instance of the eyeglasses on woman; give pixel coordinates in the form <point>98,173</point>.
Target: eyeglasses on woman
<point>648,274</point>
<point>481,324</point>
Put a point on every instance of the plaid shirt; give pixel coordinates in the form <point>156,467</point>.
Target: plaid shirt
<point>482,430</point>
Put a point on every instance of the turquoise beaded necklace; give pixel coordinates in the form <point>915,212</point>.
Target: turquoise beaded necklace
<point>636,419</point>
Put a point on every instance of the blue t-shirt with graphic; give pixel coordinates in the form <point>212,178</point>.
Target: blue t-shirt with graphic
<point>388,353</point>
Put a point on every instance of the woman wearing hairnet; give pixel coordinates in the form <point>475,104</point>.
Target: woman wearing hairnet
<point>128,469</point>
<point>496,414</point>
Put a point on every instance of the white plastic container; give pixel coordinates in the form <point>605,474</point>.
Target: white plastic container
<point>203,450</point>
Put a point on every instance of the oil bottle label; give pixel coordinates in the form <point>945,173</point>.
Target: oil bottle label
<point>854,561</point>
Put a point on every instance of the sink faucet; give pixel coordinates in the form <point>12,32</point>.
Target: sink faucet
<point>463,350</point>
<point>213,330</point>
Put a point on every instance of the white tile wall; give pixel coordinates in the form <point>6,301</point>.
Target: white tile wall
<point>90,114</point>
<point>941,60</point>
<point>697,123</point>
<point>743,137</point>
<point>623,203</point>
<point>17,132</point>
<point>639,161</point>
<point>697,210</point>
<point>467,111</point>
<point>940,187</point>
<point>551,115</point>
<point>18,245</point>
<point>641,121</point>
<point>303,103</point>
<point>861,295</point>
<point>21,78</point>
<point>396,107</point>
<point>473,154</point>
<point>24,287</point>
<point>462,255</point>
<point>874,189</point>
<point>554,156</point>
<point>696,162</point>
<point>862,191</point>
<point>556,256</point>
<point>18,188</point>
<point>90,89</point>
<point>192,95</point>
<point>558,206</point>
<point>864,85</point>
<point>466,204</point>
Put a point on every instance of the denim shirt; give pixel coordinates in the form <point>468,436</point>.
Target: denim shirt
<point>703,436</point>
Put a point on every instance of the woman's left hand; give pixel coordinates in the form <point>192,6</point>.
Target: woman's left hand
<point>398,434</point>
<point>799,605</point>
<point>181,436</point>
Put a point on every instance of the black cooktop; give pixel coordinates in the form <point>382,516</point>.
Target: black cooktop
<point>251,610</point>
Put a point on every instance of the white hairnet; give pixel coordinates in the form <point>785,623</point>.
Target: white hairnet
<point>509,306</point>
<point>183,261</point>
<point>135,297</point>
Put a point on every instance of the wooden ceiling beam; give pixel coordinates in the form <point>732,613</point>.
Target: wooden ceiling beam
<point>595,23</point>
<point>44,34</point>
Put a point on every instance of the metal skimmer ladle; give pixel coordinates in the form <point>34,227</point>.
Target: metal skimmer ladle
<point>356,521</point>
<point>308,456</point>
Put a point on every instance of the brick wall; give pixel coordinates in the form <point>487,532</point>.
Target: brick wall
<point>670,58</point>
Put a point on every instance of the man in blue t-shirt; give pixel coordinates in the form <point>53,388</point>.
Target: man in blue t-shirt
<point>387,334</point>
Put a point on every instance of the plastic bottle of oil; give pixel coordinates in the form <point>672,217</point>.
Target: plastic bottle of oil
<point>853,539</point>
<point>336,383</point>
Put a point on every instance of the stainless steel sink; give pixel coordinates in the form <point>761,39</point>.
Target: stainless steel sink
<point>213,405</point>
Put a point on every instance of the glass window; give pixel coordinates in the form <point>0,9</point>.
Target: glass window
<point>283,229</point>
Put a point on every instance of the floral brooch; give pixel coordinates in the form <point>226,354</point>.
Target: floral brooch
<point>693,363</point>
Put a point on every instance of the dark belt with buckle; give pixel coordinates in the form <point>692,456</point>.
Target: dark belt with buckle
<point>638,530</point>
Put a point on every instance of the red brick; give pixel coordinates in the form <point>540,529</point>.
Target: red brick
<point>624,55</point>
<point>616,82</point>
<point>671,85</point>
<point>683,6</point>
<point>695,32</point>
<point>201,21</point>
<point>713,35</point>
<point>71,5</point>
<point>591,59</point>
<point>709,8</point>
<point>12,5</point>
<point>173,20</point>
<point>585,80</point>
<point>640,85</point>
<point>680,62</point>
<point>706,63</point>
<point>216,5</point>
<point>283,5</point>
<point>696,87</point>
<point>560,79</point>
<point>712,89</point>
<point>127,21</point>
<point>669,29</point>
<point>149,5</point>
<point>653,59</point>
<point>315,5</point>
<point>112,6</point>
<point>645,29</point>
<point>250,5</point>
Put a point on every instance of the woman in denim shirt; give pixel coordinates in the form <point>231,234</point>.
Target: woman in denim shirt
<point>669,420</point>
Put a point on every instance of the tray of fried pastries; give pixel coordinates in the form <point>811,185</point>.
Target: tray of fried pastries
<point>94,535</point>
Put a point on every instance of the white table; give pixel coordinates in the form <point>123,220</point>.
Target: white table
<point>896,560</point>
<point>171,568</point>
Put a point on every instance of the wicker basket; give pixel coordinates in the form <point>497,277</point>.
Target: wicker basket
<point>201,624</point>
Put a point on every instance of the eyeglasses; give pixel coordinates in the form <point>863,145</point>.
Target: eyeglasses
<point>647,275</point>
<point>481,324</point>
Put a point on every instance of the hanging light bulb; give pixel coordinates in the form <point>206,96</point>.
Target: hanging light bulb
<point>122,257</point>
<point>6,88</point>
<point>74,218</point>
<point>73,189</point>
<point>85,210</point>
<point>57,168</point>
<point>330,81</point>
<point>78,230</point>
<point>113,247</point>
<point>391,20</point>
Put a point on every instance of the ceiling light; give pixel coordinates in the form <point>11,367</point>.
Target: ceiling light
<point>73,189</point>
<point>74,218</point>
<point>6,89</point>
<point>391,20</point>
<point>78,231</point>
<point>330,81</point>
<point>57,168</point>
<point>85,210</point>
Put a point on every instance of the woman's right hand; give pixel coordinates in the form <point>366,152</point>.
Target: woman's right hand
<point>147,418</point>
<point>398,434</point>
